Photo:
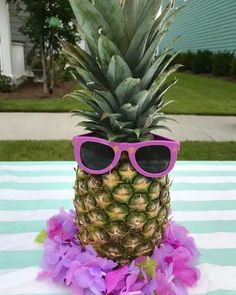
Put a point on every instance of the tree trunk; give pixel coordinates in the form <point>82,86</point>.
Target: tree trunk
<point>44,64</point>
<point>51,72</point>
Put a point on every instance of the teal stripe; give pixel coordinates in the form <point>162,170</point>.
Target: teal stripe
<point>22,226</point>
<point>71,173</point>
<point>203,205</point>
<point>65,185</point>
<point>40,173</point>
<point>223,257</point>
<point>220,292</point>
<point>213,226</point>
<point>20,259</point>
<point>35,204</point>
<point>210,226</point>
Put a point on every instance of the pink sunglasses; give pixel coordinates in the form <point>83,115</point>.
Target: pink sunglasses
<point>153,158</point>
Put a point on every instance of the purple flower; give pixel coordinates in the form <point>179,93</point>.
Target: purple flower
<point>177,235</point>
<point>62,225</point>
<point>85,273</point>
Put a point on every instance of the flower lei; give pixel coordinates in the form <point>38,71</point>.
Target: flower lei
<point>169,271</point>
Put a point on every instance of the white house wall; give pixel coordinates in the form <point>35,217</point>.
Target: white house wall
<point>18,62</point>
<point>5,36</point>
<point>16,21</point>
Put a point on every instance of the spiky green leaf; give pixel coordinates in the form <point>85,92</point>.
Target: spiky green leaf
<point>90,21</point>
<point>127,88</point>
<point>112,13</point>
<point>118,71</point>
<point>130,12</point>
<point>106,49</point>
<point>147,14</point>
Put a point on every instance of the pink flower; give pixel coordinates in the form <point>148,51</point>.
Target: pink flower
<point>113,278</point>
<point>163,286</point>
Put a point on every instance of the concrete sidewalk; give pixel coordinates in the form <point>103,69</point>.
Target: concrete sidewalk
<point>45,126</point>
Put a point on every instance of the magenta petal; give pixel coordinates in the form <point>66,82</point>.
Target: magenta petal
<point>187,275</point>
<point>114,277</point>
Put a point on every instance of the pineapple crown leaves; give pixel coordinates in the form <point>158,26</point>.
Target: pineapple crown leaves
<point>123,77</point>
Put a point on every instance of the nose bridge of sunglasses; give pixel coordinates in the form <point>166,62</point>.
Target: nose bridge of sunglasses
<point>124,148</point>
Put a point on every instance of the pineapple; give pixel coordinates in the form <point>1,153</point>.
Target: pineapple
<point>122,214</point>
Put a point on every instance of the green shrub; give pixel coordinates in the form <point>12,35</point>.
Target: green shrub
<point>188,58</point>
<point>179,59</point>
<point>233,67</point>
<point>202,61</point>
<point>185,59</point>
<point>60,72</point>
<point>5,83</point>
<point>221,63</point>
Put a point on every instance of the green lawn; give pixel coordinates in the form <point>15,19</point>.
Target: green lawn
<point>39,105</point>
<point>63,151</point>
<point>193,94</point>
<point>199,95</point>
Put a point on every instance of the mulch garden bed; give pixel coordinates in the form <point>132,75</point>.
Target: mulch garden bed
<point>30,89</point>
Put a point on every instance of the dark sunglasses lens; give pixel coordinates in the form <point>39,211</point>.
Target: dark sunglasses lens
<point>153,159</point>
<point>96,156</point>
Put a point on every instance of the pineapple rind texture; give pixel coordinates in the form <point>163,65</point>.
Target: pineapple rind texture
<point>122,214</point>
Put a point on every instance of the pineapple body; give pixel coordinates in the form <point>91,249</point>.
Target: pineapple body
<point>122,214</point>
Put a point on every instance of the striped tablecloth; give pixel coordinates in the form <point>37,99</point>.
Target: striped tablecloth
<point>203,200</point>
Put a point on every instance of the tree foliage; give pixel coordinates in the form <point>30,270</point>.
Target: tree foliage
<point>45,23</point>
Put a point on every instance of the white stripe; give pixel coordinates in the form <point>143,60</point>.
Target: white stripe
<point>71,179</point>
<point>38,179</point>
<point>220,240</point>
<point>219,167</point>
<point>26,241</point>
<point>23,281</point>
<point>68,166</point>
<point>67,194</point>
<point>36,195</point>
<point>191,196</point>
<point>19,242</point>
<point>215,277</point>
<point>204,215</point>
<point>27,215</point>
<point>205,179</point>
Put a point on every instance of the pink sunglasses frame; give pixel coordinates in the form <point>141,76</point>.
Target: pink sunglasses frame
<point>131,148</point>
